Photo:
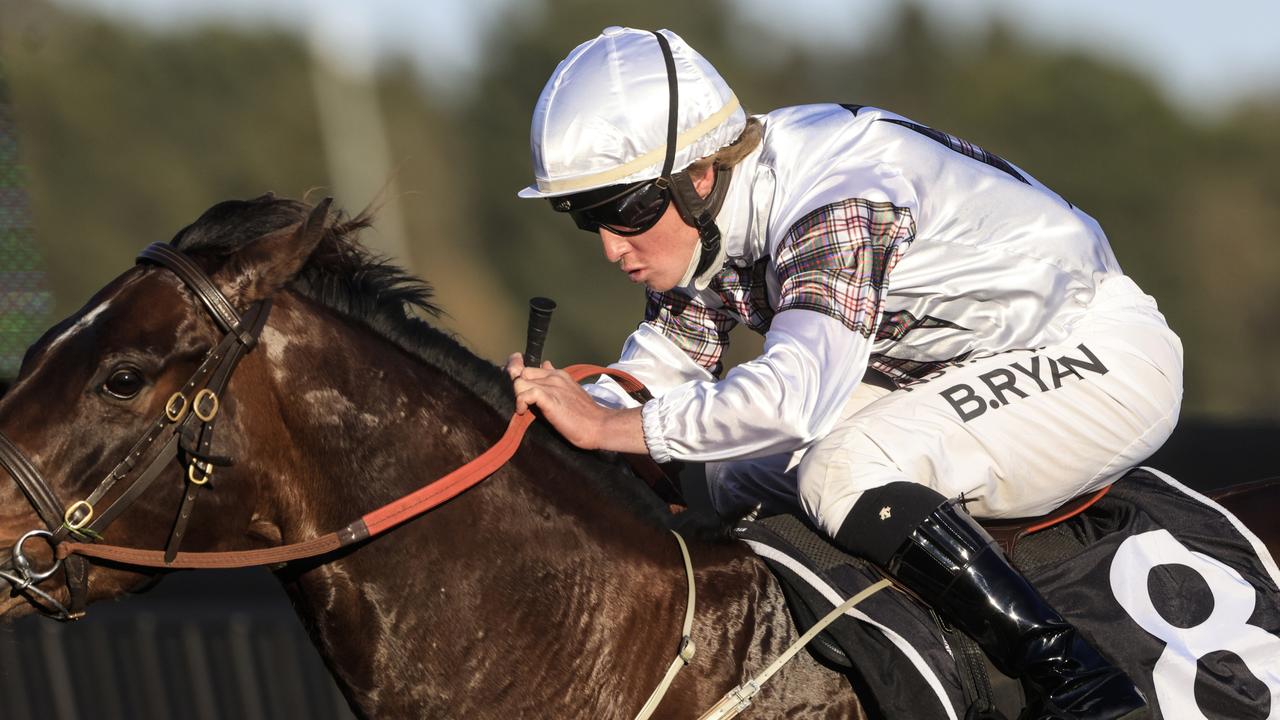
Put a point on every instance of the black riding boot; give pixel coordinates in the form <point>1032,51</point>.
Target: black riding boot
<point>955,566</point>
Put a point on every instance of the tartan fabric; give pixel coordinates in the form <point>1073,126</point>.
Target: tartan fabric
<point>835,261</point>
<point>701,332</point>
<point>895,326</point>
<point>905,373</point>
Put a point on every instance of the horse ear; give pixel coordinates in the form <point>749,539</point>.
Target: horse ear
<point>268,263</point>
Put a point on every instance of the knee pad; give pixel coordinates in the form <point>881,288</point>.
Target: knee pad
<point>884,517</point>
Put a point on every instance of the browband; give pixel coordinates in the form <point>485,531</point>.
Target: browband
<point>200,284</point>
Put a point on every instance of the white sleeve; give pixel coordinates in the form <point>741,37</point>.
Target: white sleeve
<point>654,360</point>
<point>779,402</point>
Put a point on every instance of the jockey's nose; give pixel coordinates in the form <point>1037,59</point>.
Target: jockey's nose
<point>615,246</point>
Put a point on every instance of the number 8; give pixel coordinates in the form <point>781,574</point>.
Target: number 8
<point>1226,628</point>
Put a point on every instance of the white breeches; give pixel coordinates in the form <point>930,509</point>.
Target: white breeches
<point>1016,434</point>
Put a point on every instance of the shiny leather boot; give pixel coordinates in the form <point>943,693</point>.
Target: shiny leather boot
<point>955,566</point>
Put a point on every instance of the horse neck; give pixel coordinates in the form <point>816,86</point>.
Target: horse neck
<point>538,561</point>
<point>367,422</point>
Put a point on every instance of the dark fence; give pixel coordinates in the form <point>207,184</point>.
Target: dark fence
<point>200,646</point>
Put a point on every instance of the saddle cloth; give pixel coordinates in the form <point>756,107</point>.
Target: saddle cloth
<point>1163,581</point>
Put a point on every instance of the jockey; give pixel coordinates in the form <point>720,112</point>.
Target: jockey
<point>944,335</point>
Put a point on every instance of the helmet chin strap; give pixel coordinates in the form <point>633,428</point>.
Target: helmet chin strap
<point>700,213</point>
<point>696,211</point>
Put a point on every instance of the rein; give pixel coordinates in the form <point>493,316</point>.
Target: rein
<point>176,432</point>
<point>184,432</point>
<point>368,525</point>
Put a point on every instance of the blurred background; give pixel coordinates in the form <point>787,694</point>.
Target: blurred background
<point>122,120</point>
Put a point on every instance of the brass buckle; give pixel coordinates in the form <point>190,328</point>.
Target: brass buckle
<point>196,404</point>
<point>74,525</point>
<point>173,412</point>
<point>207,471</point>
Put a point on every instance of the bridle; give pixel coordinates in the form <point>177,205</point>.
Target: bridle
<point>184,431</point>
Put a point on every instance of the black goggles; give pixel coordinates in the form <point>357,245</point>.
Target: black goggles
<point>622,210</point>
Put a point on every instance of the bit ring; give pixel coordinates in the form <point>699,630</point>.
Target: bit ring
<point>23,565</point>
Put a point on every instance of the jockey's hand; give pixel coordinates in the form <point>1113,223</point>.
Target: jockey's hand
<point>573,412</point>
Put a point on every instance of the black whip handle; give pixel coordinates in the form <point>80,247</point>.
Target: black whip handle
<point>540,310</point>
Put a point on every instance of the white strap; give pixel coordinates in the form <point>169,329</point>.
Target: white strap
<point>685,654</point>
<point>739,698</point>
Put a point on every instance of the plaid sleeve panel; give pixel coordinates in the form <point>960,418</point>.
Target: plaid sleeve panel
<point>836,260</point>
<point>701,332</point>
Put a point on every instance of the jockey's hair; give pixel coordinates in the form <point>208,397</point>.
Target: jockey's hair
<point>733,153</point>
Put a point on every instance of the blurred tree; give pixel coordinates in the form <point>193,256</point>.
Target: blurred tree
<point>128,135</point>
<point>535,250</point>
<point>1098,133</point>
<point>25,301</point>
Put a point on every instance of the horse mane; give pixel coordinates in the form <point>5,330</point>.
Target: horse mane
<point>346,277</point>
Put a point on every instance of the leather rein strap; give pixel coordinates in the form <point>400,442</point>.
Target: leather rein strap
<point>367,526</point>
<point>184,431</point>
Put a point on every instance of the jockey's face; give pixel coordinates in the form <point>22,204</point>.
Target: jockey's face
<point>659,256</point>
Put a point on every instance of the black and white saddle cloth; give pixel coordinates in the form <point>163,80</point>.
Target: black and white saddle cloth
<point>1165,582</point>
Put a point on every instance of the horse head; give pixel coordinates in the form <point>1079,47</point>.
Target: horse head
<point>96,386</point>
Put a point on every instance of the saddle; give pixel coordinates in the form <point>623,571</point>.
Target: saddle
<point>1108,560</point>
<point>1008,532</point>
<point>816,576</point>
<point>668,481</point>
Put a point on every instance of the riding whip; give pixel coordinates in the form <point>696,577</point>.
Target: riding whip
<point>540,309</point>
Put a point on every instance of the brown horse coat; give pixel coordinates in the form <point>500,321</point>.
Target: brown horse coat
<point>551,590</point>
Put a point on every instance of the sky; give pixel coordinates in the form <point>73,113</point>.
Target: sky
<point>1203,53</point>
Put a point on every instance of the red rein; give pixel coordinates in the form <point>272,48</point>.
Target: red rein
<point>371,524</point>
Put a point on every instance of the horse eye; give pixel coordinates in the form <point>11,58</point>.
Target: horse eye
<point>124,383</point>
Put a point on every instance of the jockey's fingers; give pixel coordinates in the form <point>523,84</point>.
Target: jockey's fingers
<point>543,373</point>
<point>548,372</point>
<point>523,385</point>
<point>526,398</point>
<point>515,365</point>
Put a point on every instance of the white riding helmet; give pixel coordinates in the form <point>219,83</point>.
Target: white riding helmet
<point>602,118</point>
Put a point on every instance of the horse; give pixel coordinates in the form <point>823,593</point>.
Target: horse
<point>554,588</point>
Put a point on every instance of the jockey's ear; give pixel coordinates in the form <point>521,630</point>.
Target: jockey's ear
<point>269,262</point>
<point>705,180</point>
